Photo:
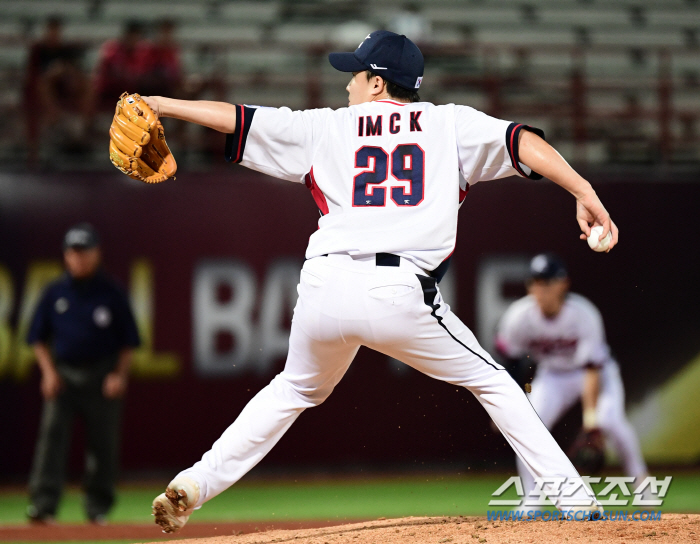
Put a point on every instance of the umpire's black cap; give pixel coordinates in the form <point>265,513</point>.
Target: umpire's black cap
<point>547,266</point>
<point>387,54</point>
<point>81,236</point>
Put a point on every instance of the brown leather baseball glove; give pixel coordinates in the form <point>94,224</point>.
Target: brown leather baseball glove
<point>137,142</point>
<point>588,452</point>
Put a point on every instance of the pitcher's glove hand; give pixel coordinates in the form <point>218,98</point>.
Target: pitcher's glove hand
<point>137,142</point>
<point>588,452</point>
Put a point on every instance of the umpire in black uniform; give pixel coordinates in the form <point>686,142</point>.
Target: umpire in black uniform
<point>83,334</point>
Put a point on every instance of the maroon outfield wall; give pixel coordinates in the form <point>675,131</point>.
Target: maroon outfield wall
<point>255,229</point>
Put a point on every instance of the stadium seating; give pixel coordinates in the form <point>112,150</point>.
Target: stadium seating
<point>304,34</point>
<point>13,56</point>
<point>525,35</point>
<point>92,31</point>
<point>568,16</point>
<point>12,31</point>
<point>521,58</point>
<point>250,12</point>
<point>149,11</point>
<point>217,33</point>
<point>72,10</point>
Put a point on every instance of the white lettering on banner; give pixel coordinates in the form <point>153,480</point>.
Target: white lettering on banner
<point>7,302</point>
<point>493,273</point>
<point>17,357</point>
<point>212,315</point>
<point>224,297</point>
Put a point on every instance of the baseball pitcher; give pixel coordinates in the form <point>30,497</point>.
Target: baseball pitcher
<point>388,174</point>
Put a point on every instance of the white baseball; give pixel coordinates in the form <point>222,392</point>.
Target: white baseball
<point>601,245</point>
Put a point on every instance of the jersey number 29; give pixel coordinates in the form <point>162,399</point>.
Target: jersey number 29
<point>407,164</point>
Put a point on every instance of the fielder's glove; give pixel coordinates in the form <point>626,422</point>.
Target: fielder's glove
<point>588,452</point>
<point>137,142</point>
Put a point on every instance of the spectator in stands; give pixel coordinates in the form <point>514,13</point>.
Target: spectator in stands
<point>55,87</point>
<point>162,74</point>
<point>133,63</point>
<point>120,65</point>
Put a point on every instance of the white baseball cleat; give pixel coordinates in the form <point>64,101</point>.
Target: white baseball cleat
<point>597,513</point>
<point>172,509</point>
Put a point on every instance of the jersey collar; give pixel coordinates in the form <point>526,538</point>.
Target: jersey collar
<point>392,102</point>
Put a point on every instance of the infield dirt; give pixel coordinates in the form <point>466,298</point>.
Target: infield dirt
<point>672,528</point>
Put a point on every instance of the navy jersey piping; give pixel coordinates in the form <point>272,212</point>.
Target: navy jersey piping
<point>429,286</point>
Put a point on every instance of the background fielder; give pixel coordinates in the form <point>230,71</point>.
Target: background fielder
<point>372,267</point>
<point>563,333</point>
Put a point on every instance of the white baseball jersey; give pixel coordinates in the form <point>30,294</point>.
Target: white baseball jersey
<point>573,339</point>
<point>385,175</point>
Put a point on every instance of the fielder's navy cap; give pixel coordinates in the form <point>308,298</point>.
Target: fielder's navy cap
<point>391,56</point>
<point>82,236</point>
<point>547,266</point>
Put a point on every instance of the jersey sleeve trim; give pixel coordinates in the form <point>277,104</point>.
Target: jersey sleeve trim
<point>513,149</point>
<point>235,143</point>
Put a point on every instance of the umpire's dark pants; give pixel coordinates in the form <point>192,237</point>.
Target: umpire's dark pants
<point>81,396</point>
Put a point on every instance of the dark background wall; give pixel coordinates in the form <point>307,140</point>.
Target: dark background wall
<point>646,289</point>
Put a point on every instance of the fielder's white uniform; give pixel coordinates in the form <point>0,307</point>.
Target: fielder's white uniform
<point>563,347</point>
<point>388,178</point>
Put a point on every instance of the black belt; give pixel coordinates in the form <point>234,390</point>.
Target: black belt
<point>382,259</point>
<point>388,259</point>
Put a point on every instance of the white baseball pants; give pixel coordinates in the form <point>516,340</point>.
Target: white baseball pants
<point>346,302</point>
<point>554,392</point>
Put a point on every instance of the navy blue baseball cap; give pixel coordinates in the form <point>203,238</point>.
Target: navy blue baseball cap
<point>82,236</point>
<point>547,266</point>
<point>391,56</point>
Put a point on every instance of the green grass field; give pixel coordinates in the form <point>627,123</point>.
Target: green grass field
<point>429,495</point>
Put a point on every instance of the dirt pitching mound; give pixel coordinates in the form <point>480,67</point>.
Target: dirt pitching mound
<point>672,528</point>
<point>77,532</point>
